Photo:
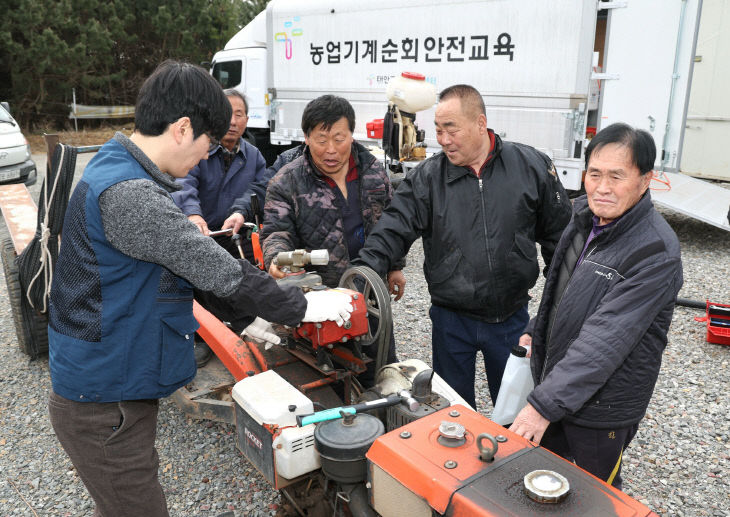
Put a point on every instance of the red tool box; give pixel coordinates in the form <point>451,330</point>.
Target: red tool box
<point>375,128</point>
<point>717,317</point>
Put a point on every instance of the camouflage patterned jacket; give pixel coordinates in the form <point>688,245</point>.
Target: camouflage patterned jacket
<point>300,211</point>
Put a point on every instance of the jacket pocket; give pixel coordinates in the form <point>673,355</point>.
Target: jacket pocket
<point>522,263</point>
<point>177,361</point>
<point>451,281</point>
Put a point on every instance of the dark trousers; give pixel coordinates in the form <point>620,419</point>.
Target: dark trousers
<point>456,339</point>
<point>112,447</point>
<point>599,451</point>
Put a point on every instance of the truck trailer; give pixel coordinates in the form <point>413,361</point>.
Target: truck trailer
<point>551,75</point>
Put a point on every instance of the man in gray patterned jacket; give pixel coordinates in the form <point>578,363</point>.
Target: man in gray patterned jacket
<point>328,198</point>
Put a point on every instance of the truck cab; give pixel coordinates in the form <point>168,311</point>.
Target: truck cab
<point>242,65</point>
<point>16,165</point>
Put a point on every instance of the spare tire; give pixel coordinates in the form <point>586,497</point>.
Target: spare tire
<point>31,326</point>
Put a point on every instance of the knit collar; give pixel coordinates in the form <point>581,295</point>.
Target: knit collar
<point>164,179</point>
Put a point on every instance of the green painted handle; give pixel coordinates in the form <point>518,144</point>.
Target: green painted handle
<point>327,414</point>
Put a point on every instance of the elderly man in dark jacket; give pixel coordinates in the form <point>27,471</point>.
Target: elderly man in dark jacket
<point>480,206</point>
<point>601,328</point>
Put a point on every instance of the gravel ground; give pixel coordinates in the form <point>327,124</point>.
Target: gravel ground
<point>678,464</point>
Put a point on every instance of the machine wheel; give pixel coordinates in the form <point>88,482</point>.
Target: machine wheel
<point>377,298</point>
<point>31,326</point>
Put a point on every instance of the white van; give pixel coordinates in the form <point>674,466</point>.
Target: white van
<point>16,165</point>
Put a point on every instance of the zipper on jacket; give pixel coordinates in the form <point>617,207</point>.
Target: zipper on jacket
<point>590,252</point>
<point>484,223</point>
<point>557,308</point>
<point>552,327</point>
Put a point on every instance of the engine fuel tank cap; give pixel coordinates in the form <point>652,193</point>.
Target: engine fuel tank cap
<point>546,486</point>
<point>451,434</point>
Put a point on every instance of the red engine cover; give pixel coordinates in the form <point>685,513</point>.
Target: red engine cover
<point>327,332</point>
<point>454,481</point>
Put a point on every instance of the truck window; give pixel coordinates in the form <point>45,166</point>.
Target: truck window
<point>228,73</point>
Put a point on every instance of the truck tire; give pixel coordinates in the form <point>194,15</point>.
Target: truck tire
<point>31,326</point>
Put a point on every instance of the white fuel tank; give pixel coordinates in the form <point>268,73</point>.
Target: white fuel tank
<point>411,92</point>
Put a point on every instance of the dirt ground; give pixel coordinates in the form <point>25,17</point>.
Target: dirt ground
<point>96,136</point>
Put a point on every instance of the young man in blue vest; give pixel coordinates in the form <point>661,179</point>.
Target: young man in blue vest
<point>120,322</point>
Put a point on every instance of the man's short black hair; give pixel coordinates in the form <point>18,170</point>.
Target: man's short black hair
<point>471,100</point>
<point>327,110</point>
<point>176,90</point>
<point>232,92</point>
<point>638,141</point>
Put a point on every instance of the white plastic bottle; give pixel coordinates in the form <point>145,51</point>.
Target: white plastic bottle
<point>516,385</point>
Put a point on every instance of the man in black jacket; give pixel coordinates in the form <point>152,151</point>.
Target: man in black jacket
<point>479,206</point>
<point>599,334</point>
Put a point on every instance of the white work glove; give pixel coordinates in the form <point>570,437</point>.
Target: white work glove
<point>261,331</point>
<point>328,305</point>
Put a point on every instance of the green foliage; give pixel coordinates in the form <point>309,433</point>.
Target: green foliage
<point>249,10</point>
<point>103,48</point>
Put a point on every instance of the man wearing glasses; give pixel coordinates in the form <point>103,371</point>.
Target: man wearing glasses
<point>480,206</point>
<point>121,318</point>
<point>227,173</point>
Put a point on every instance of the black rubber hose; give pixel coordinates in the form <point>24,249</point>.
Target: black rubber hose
<point>359,504</point>
<point>685,302</point>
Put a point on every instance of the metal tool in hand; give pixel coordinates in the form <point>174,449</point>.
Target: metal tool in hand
<point>256,209</point>
<point>237,241</point>
<point>220,233</point>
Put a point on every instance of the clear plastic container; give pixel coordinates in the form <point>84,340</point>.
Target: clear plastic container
<point>516,385</point>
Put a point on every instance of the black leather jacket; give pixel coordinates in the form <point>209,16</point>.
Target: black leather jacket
<point>598,364</point>
<point>478,234</point>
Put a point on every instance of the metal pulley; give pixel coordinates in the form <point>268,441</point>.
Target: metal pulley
<point>377,300</point>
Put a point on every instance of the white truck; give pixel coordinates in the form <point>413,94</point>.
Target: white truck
<point>551,74</point>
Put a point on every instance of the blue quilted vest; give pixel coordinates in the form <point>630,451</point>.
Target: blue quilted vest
<point>119,328</point>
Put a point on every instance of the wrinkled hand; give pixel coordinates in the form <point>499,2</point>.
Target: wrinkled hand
<point>261,331</point>
<point>396,284</point>
<point>530,424</point>
<point>526,342</point>
<point>198,221</point>
<point>276,272</point>
<point>234,221</point>
<point>331,304</point>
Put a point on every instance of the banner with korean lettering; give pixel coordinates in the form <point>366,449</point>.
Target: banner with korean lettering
<point>348,45</point>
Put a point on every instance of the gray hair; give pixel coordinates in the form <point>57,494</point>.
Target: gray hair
<point>232,92</point>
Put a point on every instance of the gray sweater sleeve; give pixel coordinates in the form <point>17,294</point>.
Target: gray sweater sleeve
<point>141,220</point>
